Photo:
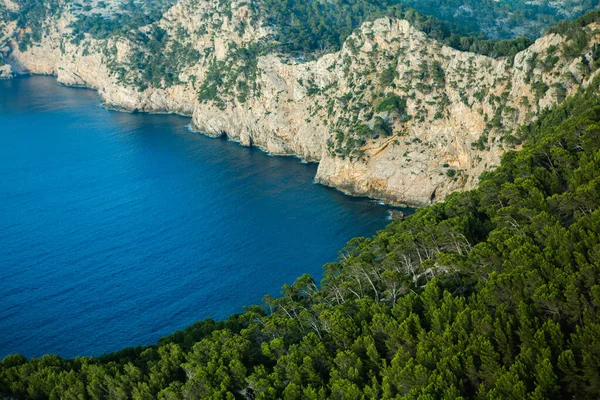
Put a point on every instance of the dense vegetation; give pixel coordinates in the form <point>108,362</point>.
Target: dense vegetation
<point>494,294</point>
<point>503,19</point>
<point>305,27</point>
<point>464,24</point>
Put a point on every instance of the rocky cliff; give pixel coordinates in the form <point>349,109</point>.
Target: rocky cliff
<point>6,71</point>
<point>393,115</point>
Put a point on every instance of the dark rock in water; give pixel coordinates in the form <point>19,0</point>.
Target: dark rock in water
<point>397,215</point>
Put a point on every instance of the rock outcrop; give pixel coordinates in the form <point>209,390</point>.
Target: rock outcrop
<point>6,71</point>
<point>452,115</point>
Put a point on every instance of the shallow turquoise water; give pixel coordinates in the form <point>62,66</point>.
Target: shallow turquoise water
<point>120,228</point>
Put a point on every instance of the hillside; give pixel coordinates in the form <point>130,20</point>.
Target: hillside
<point>504,19</point>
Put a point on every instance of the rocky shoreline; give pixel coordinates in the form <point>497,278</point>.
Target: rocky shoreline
<point>6,71</point>
<point>455,128</point>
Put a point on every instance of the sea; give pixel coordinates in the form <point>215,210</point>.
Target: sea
<point>117,229</point>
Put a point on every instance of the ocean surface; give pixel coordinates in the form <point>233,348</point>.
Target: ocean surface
<point>117,229</point>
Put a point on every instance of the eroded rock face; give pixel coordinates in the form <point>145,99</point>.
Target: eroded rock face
<point>460,131</point>
<point>6,71</point>
<point>460,107</point>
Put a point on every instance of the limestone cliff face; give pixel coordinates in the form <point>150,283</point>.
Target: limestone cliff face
<point>6,71</point>
<point>459,119</point>
<point>6,31</point>
<point>459,108</point>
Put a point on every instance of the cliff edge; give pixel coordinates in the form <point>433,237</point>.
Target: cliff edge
<point>394,115</point>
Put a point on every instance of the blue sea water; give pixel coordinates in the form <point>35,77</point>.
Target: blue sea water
<point>117,229</point>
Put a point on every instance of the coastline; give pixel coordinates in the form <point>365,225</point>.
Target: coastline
<point>112,106</point>
<point>453,131</point>
<point>404,207</point>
